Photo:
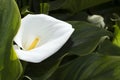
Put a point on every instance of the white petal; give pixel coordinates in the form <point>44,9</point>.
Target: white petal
<point>53,34</point>
<point>97,19</point>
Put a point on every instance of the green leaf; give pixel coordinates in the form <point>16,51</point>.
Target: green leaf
<point>117,35</point>
<point>41,71</point>
<point>108,48</point>
<point>86,37</point>
<point>45,69</point>
<point>44,8</point>
<point>76,5</point>
<point>10,67</point>
<point>91,67</point>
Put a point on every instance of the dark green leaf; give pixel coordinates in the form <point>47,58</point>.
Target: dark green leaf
<point>91,67</point>
<point>56,4</point>
<point>77,5</point>
<point>108,48</point>
<point>44,70</point>
<point>86,37</point>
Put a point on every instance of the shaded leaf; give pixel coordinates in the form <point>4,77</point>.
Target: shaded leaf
<point>50,66</point>
<point>91,67</point>
<point>86,37</point>
<point>108,48</point>
<point>77,5</point>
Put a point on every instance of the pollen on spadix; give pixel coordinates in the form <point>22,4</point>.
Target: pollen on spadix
<point>34,43</point>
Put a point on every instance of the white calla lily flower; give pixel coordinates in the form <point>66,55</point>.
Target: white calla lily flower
<point>40,36</point>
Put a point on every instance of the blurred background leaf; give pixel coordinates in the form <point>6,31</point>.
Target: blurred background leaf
<point>70,9</point>
<point>78,5</point>
<point>89,55</point>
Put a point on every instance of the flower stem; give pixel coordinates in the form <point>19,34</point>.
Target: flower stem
<point>24,65</point>
<point>44,7</point>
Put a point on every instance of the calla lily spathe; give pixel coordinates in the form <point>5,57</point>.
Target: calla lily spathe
<point>40,36</point>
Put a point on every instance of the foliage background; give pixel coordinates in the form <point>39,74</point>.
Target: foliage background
<point>88,54</point>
